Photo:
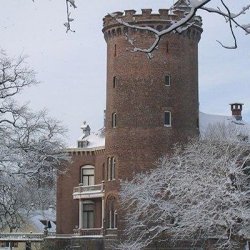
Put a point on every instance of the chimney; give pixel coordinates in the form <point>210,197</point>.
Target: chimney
<point>236,109</point>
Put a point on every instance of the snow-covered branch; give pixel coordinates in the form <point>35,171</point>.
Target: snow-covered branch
<point>31,146</point>
<point>198,193</point>
<point>186,20</point>
<point>14,75</point>
<point>69,4</point>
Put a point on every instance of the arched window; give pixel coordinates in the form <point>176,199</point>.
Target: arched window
<point>114,120</point>
<point>88,214</point>
<point>88,175</point>
<point>108,168</point>
<point>111,165</point>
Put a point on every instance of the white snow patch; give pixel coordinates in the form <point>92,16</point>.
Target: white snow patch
<point>38,215</point>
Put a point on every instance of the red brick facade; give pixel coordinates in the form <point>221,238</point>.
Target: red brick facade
<point>151,105</point>
<point>140,91</point>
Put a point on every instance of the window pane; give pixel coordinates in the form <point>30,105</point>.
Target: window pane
<point>91,219</point>
<point>85,180</point>
<point>91,180</point>
<point>88,171</point>
<point>88,216</point>
<point>85,219</point>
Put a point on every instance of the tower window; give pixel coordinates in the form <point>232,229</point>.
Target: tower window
<point>167,80</point>
<point>115,50</point>
<point>114,120</point>
<point>167,118</point>
<point>114,81</point>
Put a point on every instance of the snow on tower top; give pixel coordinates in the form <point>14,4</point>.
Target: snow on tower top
<point>164,15</point>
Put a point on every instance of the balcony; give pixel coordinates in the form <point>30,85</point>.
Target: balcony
<point>88,192</point>
<point>94,232</point>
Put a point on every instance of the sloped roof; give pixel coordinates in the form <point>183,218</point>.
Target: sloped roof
<point>207,121</point>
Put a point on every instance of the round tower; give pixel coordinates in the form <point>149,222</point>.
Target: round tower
<point>151,103</point>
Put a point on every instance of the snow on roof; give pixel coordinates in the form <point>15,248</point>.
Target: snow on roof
<point>208,120</point>
<point>95,140</point>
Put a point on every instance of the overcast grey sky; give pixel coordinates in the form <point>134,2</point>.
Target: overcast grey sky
<point>72,66</point>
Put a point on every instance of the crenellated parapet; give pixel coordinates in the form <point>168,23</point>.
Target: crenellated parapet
<point>159,21</point>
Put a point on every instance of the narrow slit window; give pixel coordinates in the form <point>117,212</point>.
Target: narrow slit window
<point>113,163</point>
<point>108,168</point>
<point>167,80</point>
<point>114,81</point>
<point>114,120</point>
<point>115,51</point>
<point>167,118</point>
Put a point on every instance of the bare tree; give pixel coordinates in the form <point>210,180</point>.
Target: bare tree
<point>31,146</point>
<point>14,76</point>
<point>187,10</point>
<point>31,153</point>
<point>198,193</point>
<point>14,205</point>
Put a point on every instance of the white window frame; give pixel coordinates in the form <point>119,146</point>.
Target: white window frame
<point>88,203</point>
<point>82,174</point>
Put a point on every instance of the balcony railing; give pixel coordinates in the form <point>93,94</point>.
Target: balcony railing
<point>93,191</point>
<point>22,237</point>
<point>89,232</point>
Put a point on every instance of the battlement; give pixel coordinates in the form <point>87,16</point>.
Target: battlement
<point>164,16</point>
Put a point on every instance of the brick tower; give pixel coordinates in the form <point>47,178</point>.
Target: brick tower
<point>151,103</point>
